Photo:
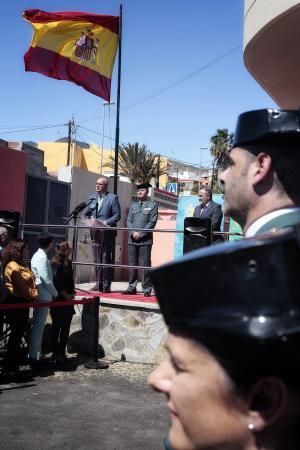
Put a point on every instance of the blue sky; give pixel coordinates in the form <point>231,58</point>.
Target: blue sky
<point>163,41</point>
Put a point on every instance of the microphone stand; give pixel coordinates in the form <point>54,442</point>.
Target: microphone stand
<point>74,217</point>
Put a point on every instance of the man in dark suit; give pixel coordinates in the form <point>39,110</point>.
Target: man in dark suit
<point>142,214</point>
<point>106,209</point>
<point>208,209</point>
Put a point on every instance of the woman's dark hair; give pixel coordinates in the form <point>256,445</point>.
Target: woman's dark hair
<point>14,252</point>
<point>62,256</point>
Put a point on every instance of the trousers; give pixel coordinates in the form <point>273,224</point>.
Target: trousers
<point>37,331</point>
<point>61,323</point>
<point>102,253</point>
<point>17,320</point>
<point>139,255</point>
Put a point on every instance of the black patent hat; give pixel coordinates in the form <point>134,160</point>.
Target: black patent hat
<point>143,186</point>
<point>248,290</point>
<point>268,126</point>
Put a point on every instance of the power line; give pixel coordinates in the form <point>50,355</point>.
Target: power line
<point>184,78</point>
<point>176,82</point>
<point>96,132</point>
<point>143,100</point>
<point>34,129</point>
<point>165,156</point>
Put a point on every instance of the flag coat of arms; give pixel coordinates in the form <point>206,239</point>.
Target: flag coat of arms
<point>74,46</point>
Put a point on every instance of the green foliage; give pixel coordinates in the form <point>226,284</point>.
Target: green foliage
<point>139,164</point>
<point>221,144</point>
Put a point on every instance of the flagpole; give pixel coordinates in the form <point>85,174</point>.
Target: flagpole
<point>118,107</point>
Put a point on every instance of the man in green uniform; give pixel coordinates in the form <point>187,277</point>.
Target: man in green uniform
<point>142,214</point>
<point>261,179</point>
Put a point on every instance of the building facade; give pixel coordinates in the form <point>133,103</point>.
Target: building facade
<point>271,48</point>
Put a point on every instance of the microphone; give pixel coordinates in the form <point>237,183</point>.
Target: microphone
<point>90,210</point>
<point>77,210</point>
<point>90,200</point>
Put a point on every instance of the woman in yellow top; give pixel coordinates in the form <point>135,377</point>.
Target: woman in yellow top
<point>20,283</point>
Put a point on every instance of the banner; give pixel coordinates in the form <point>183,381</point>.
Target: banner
<point>74,46</point>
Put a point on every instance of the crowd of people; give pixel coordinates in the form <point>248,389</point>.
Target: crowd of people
<point>49,281</point>
<point>45,281</point>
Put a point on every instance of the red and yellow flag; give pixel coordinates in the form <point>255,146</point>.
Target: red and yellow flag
<point>74,46</point>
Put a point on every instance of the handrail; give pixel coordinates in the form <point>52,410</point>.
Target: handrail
<point>152,230</point>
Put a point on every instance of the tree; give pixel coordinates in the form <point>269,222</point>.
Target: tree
<point>221,143</point>
<point>139,164</point>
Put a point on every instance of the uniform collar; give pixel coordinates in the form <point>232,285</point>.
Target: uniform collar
<point>259,223</point>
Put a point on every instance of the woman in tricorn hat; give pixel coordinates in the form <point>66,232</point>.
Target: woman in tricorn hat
<point>232,376</point>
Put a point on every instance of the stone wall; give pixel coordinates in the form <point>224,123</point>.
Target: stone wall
<point>132,334</point>
<point>135,334</point>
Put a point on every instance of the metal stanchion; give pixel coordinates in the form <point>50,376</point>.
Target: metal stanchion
<point>96,364</point>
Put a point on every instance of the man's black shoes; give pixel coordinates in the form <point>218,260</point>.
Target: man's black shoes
<point>129,292</point>
<point>41,365</point>
<point>147,294</point>
<point>97,288</point>
<point>106,290</point>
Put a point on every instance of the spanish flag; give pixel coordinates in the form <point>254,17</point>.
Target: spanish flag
<point>74,46</point>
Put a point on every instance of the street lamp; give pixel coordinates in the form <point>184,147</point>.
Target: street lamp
<point>200,174</point>
<point>103,123</point>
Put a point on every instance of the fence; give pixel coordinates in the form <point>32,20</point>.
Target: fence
<point>107,229</point>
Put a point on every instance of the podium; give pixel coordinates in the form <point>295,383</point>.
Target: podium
<point>95,239</point>
<point>197,233</point>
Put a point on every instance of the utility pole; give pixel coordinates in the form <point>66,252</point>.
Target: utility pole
<point>201,168</point>
<point>69,142</point>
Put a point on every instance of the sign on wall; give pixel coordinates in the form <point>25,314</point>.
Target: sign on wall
<point>172,188</point>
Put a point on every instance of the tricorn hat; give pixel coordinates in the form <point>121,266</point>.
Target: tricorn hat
<point>268,126</point>
<point>143,186</point>
<point>241,300</point>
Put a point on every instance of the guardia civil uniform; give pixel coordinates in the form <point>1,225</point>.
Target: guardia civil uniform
<point>141,215</point>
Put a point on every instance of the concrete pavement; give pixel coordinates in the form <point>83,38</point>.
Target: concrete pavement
<point>110,409</point>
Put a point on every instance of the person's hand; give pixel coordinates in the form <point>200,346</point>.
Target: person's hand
<point>136,236</point>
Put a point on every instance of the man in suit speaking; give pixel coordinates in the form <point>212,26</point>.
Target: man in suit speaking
<point>208,209</point>
<point>105,208</point>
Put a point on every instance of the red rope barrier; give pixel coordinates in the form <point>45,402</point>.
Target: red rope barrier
<point>53,304</point>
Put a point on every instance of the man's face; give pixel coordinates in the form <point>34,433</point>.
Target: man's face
<point>237,185</point>
<point>204,411</point>
<point>3,236</point>
<point>101,185</point>
<point>203,197</point>
<point>142,194</point>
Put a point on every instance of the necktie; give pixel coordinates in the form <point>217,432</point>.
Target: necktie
<point>99,203</point>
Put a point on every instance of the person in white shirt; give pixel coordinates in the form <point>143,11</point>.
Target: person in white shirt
<point>41,268</point>
<point>261,176</point>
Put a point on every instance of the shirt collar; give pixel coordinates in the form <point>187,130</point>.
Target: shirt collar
<point>206,204</point>
<point>257,224</point>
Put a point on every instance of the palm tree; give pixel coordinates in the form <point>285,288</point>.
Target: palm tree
<point>139,164</point>
<point>221,143</point>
